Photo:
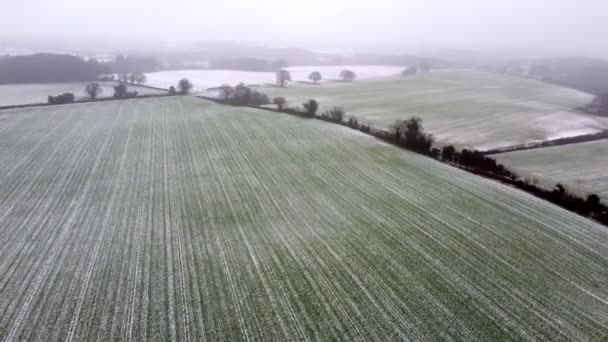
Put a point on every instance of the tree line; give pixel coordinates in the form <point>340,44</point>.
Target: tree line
<point>59,68</point>
<point>121,92</point>
<point>248,64</point>
<point>410,134</point>
<point>283,77</point>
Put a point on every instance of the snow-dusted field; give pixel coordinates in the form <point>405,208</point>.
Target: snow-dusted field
<point>461,107</point>
<point>581,168</point>
<point>204,79</point>
<point>179,220</point>
<point>18,94</point>
<point>332,73</point>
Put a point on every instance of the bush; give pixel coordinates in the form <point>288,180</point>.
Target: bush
<point>280,102</point>
<point>62,99</point>
<point>448,152</point>
<point>411,135</point>
<point>336,114</point>
<point>311,107</point>
<point>258,99</point>
<point>348,75</point>
<point>185,86</point>
<point>242,95</point>
<point>353,122</point>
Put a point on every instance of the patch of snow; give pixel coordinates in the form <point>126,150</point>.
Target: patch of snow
<point>205,79</point>
<point>301,73</point>
<point>566,124</point>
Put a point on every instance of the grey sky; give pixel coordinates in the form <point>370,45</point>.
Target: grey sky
<point>566,26</point>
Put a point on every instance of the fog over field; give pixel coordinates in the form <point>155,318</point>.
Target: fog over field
<point>566,27</point>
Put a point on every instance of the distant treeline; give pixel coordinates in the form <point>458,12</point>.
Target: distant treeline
<point>550,143</point>
<point>58,68</point>
<point>133,64</point>
<point>247,64</point>
<point>588,75</point>
<point>410,134</point>
<point>395,60</point>
<point>49,68</point>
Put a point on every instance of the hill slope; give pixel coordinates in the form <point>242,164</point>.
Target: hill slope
<point>463,107</point>
<point>580,167</point>
<point>178,219</point>
<point>20,94</point>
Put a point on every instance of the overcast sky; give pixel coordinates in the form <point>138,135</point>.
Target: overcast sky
<point>577,27</point>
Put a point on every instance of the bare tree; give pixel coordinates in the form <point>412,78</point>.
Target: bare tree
<point>139,78</point>
<point>185,86</point>
<point>280,102</point>
<point>226,91</point>
<point>410,71</point>
<point>348,75</point>
<point>120,91</point>
<point>93,90</point>
<point>283,76</point>
<point>311,106</point>
<point>315,76</point>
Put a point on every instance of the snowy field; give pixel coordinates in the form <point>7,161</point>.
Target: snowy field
<point>204,79</point>
<point>581,168</point>
<point>17,94</point>
<point>175,219</point>
<point>462,107</point>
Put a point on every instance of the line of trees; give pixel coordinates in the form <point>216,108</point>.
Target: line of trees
<point>479,163</point>
<point>133,78</point>
<point>283,77</point>
<point>49,68</point>
<point>248,64</point>
<point>242,95</point>
<point>410,134</point>
<point>121,92</point>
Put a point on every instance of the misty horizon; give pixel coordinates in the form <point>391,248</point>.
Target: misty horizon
<point>535,28</point>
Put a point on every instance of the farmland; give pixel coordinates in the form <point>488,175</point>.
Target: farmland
<point>462,107</point>
<point>204,79</point>
<point>17,94</point>
<point>177,219</point>
<point>580,167</point>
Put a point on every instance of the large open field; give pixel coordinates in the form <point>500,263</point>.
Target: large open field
<point>205,79</point>
<point>18,94</point>
<point>462,107</point>
<point>580,167</point>
<point>177,219</point>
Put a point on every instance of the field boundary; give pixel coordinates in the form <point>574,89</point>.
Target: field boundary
<point>550,143</point>
<point>103,99</point>
<point>566,201</point>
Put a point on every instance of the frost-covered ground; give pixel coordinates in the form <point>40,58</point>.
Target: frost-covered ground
<point>580,167</point>
<point>462,107</point>
<point>176,219</point>
<point>332,73</point>
<point>204,79</point>
<point>17,94</point>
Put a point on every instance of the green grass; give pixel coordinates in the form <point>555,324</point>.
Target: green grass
<point>462,107</point>
<point>580,167</point>
<point>177,219</point>
<point>18,94</point>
